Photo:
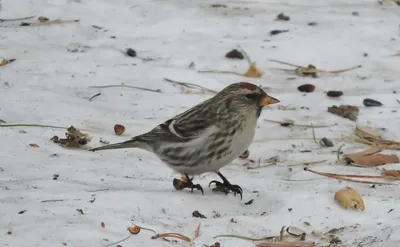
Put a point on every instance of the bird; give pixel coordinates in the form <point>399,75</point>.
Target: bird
<point>207,136</point>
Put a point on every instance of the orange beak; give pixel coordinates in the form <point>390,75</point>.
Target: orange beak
<point>268,100</point>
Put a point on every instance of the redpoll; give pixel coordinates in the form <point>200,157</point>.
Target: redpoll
<point>208,136</point>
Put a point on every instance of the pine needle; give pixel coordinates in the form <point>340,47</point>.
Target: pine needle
<point>299,125</point>
<point>345,177</point>
<point>33,125</point>
<point>190,85</point>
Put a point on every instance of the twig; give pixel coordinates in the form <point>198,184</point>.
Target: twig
<point>338,152</point>
<point>147,229</point>
<point>298,125</point>
<point>344,177</point>
<point>245,54</point>
<point>59,200</point>
<point>127,86</point>
<point>58,21</point>
<point>98,190</point>
<point>171,235</point>
<point>17,19</point>
<point>307,163</point>
<point>190,85</point>
<point>313,135</point>
<point>94,96</point>
<point>197,232</point>
<point>221,72</point>
<point>257,167</point>
<point>33,125</point>
<point>244,237</point>
<point>119,241</point>
<point>315,70</point>
<point>291,138</point>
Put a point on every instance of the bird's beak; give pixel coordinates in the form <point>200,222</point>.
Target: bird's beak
<point>268,100</point>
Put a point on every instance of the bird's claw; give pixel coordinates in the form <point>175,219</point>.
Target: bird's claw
<point>227,187</point>
<point>180,185</point>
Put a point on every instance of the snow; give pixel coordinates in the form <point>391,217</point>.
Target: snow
<point>50,85</point>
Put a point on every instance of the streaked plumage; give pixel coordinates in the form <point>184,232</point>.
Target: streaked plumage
<point>209,135</point>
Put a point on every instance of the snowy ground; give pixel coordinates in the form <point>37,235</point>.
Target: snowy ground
<point>48,84</point>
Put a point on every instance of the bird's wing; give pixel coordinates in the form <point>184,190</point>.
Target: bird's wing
<point>183,127</point>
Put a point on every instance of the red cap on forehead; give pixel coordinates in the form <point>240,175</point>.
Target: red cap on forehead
<point>248,85</point>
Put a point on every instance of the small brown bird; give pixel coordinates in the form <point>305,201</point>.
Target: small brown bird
<point>208,136</point>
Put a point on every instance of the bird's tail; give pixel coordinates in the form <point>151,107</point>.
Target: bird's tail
<point>134,143</point>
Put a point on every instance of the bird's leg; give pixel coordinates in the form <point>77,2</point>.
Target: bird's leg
<point>180,185</point>
<point>225,186</point>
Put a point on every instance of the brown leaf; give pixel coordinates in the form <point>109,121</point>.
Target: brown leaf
<point>286,244</point>
<point>102,224</point>
<point>253,72</point>
<point>197,232</point>
<point>74,138</point>
<point>370,158</point>
<point>346,111</point>
<point>119,129</point>
<point>4,62</point>
<point>349,198</point>
<point>34,145</point>
<point>391,173</point>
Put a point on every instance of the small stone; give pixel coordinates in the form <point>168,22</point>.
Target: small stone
<point>234,54</point>
<point>283,17</point>
<point>313,23</point>
<point>131,52</point>
<point>306,88</point>
<point>325,142</point>
<point>197,214</point>
<point>334,94</point>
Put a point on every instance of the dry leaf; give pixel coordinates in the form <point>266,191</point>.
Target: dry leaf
<point>34,145</point>
<point>197,232</point>
<point>6,83</point>
<point>392,173</point>
<point>134,229</point>
<point>349,198</point>
<point>286,244</point>
<point>346,111</point>
<point>74,138</point>
<point>119,129</point>
<point>102,224</point>
<point>4,62</point>
<point>253,71</point>
<point>370,158</point>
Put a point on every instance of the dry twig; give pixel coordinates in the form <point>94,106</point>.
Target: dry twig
<point>190,85</point>
<point>310,69</point>
<point>365,137</point>
<point>17,19</point>
<point>33,125</point>
<point>346,177</point>
<point>94,96</point>
<point>127,86</point>
<point>50,22</point>
<point>287,123</point>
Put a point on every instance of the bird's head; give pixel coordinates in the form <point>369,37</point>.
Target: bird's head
<point>245,96</point>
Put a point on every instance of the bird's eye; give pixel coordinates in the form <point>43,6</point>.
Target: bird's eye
<point>250,96</point>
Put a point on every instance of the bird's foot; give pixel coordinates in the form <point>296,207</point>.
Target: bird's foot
<point>186,183</point>
<point>226,187</point>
